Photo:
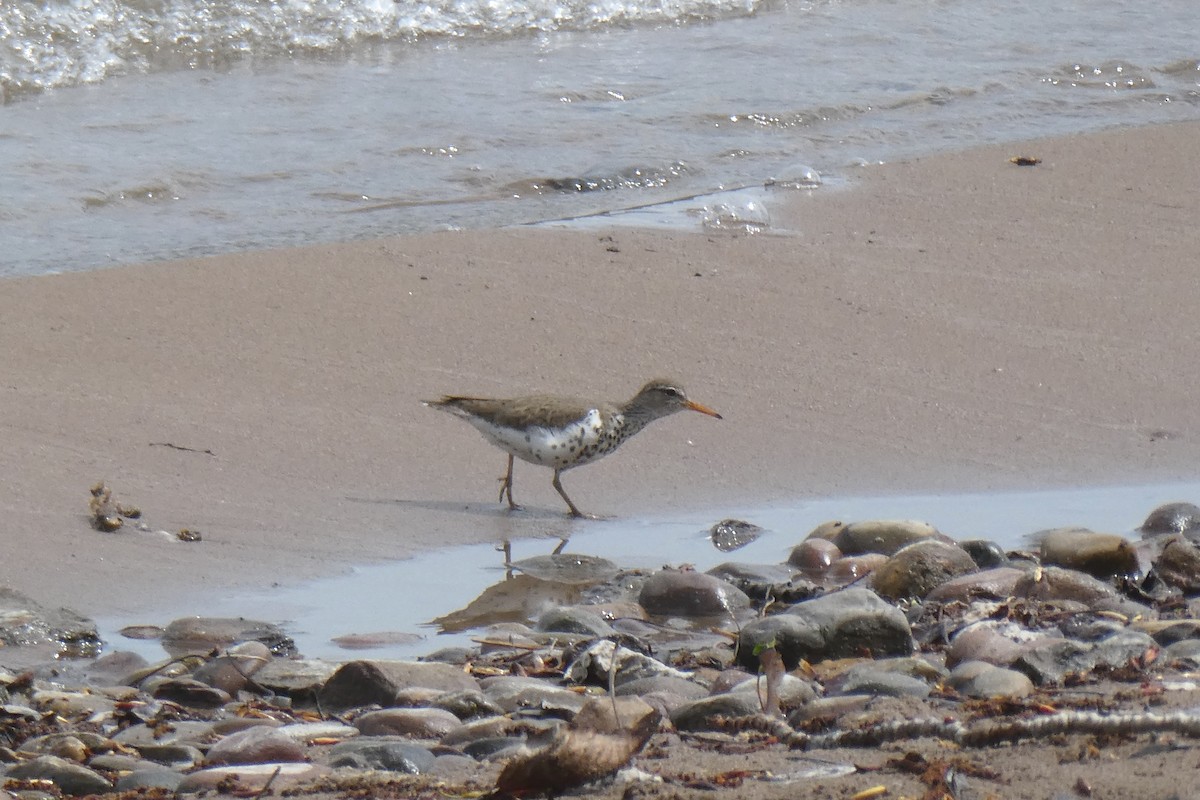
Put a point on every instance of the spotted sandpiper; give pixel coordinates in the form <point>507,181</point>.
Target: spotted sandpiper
<point>565,432</point>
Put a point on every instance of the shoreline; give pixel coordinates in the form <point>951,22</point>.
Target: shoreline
<point>954,322</point>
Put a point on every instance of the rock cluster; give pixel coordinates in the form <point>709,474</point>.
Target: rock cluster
<point>870,631</point>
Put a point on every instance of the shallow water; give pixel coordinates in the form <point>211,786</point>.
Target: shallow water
<point>404,596</point>
<point>182,128</point>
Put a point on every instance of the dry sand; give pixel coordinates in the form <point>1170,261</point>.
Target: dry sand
<point>956,322</point>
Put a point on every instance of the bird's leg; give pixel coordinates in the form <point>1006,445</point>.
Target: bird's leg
<point>557,484</point>
<point>506,485</point>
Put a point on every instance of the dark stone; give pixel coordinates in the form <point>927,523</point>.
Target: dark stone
<point>364,683</point>
<point>852,623</point>
<point>386,753</point>
<point>1048,664</point>
<point>678,593</point>
<point>192,693</point>
<point>1172,518</point>
<point>985,553</point>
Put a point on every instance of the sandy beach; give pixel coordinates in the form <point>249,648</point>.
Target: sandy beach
<point>952,323</point>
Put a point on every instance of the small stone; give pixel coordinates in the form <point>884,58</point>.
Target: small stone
<point>171,755</point>
<point>1172,518</point>
<point>1101,555</point>
<point>385,753</point>
<point>309,732</point>
<point>296,678</point>
<point>917,569</point>
<point>69,777</point>
<point>985,553</point>
<point>189,692</point>
<point>682,593</point>
<point>153,778</point>
<point>879,683</point>
<point>182,731</point>
<point>468,704</point>
<point>697,715</point>
<point>793,691</point>
<point>248,779</point>
<point>1050,662</point>
<point>994,641</point>
<point>1178,565</point>
<point>418,723</point>
<point>853,622</point>
<point>997,583</point>
<point>814,556</point>
<point>884,536</point>
<point>574,619</point>
<point>732,534</point>
<point>1056,583</point>
<point>364,683</point>
<point>984,681</point>
<point>205,634</point>
<point>256,746</point>
<point>850,568</point>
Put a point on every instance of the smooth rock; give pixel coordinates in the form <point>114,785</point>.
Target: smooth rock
<point>378,752</point>
<point>171,755</point>
<point>884,536</point>
<point>793,691</point>
<point>69,777</point>
<point>1101,555</point>
<point>205,634</point>
<point>1172,518</point>
<point>917,569</point>
<point>469,704</point>
<point>996,584</point>
<point>364,683</point>
<point>616,715</point>
<point>1169,631</point>
<point>882,683</point>
<point>1185,654</point>
<point>514,694</point>
<point>117,762</point>
<point>1056,583</point>
<point>573,619</point>
<point>668,684</point>
<point>418,723</point>
<point>256,746</point>
<point>300,678</point>
<point>985,553</point>
<point>72,703</point>
<point>850,568</point>
<point>192,693</point>
<point>180,731</point>
<point>251,778</point>
<point>309,732</point>
<point>1050,662</point>
<point>814,556</point>
<point>998,642</point>
<point>697,715</point>
<point>232,671</point>
<point>984,681</point>
<point>74,746</point>
<point>495,727</point>
<point>1178,564</point>
<point>151,778</point>
<point>732,534</point>
<point>682,593</point>
<point>854,622</point>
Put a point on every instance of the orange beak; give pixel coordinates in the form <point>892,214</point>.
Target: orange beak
<point>703,409</point>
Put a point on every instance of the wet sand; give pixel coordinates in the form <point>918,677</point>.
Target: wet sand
<point>953,323</point>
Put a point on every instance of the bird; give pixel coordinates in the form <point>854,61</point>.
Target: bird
<point>565,432</point>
